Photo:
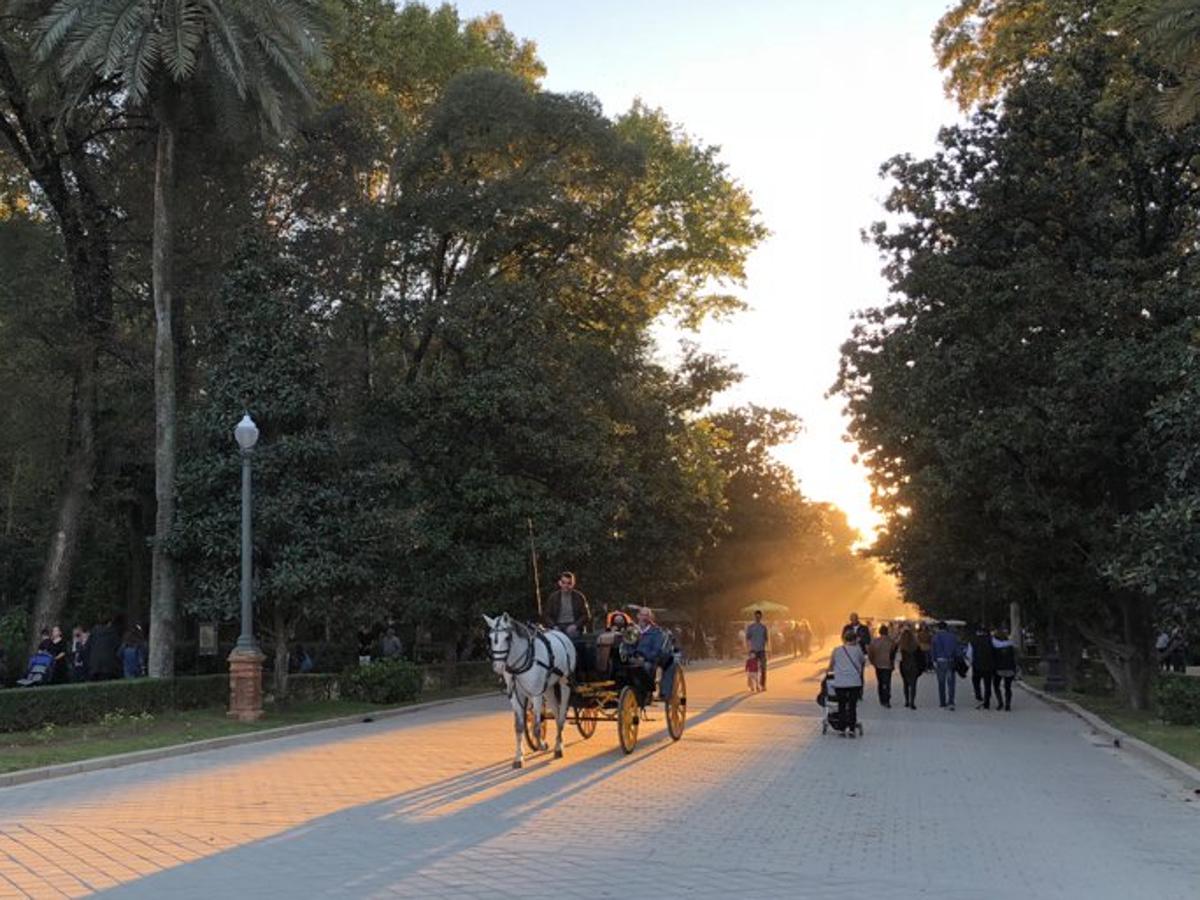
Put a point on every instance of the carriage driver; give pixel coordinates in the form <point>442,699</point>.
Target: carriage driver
<point>567,609</point>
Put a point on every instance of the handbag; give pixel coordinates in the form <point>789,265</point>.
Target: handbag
<point>960,665</point>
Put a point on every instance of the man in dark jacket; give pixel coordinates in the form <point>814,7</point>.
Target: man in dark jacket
<point>102,652</point>
<point>862,633</point>
<point>983,667</point>
<point>567,609</point>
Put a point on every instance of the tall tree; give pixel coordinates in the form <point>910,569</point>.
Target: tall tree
<point>238,55</point>
<point>1040,297</point>
<point>51,162</point>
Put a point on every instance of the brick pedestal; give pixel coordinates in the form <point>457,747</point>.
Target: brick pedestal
<point>245,685</point>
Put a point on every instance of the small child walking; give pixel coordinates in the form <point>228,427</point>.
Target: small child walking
<point>753,675</point>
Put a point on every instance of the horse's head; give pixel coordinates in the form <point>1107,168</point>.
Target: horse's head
<point>500,639</point>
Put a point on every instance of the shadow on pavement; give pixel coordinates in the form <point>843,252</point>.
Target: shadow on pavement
<point>415,829</point>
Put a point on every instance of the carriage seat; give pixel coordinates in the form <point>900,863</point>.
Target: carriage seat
<point>605,642</point>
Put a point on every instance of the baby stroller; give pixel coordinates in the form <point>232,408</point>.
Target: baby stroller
<point>828,699</point>
<point>39,670</point>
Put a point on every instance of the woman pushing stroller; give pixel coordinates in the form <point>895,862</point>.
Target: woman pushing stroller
<point>846,675</point>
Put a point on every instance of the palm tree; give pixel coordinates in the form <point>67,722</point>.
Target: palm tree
<point>1171,30</point>
<point>245,55</point>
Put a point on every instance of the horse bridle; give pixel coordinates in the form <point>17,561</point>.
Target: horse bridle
<point>502,655</point>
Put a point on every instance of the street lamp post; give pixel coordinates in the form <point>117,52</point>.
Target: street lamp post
<point>245,662</point>
<point>981,577</point>
<point>246,435</point>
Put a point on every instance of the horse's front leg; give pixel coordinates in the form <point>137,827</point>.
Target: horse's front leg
<point>560,715</point>
<point>519,727</point>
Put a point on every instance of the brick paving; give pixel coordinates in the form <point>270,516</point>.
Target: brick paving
<point>753,800</point>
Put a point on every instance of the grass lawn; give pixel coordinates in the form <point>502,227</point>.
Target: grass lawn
<point>56,744</point>
<point>1181,741</point>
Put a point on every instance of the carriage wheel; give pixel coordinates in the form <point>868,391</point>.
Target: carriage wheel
<point>627,718</point>
<point>585,721</point>
<point>677,706</point>
<point>533,725</point>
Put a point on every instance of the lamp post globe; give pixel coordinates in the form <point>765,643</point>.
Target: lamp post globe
<point>246,433</point>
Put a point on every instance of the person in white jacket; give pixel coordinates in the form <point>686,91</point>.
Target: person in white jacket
<point>846,663</point>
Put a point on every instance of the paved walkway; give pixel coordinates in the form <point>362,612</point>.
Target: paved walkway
<point>752,801</point>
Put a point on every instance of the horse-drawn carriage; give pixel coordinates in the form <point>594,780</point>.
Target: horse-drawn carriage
<point>613,684</point>
<point>614,676</point>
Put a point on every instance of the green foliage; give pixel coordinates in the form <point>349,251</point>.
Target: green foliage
<point>22,709</point>
<point>244,49</point>
<point>14,641</point>
<point>315,529</point>
<point>383,681</point>
<point>1179,699</point>
<point>1006,398</point>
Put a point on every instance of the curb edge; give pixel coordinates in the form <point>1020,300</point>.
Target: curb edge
<point>120,760</point>
<point>1126,741</point>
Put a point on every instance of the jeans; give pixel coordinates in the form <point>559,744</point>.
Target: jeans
<point>1006,681</point>
<point>910,685</point>
<point>945,677</point>
<point>883,678</point>
<point>847,700</point>
<point>761,655</point>
<point>982,682</point>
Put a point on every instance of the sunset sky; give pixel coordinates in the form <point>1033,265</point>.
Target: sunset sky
<point>806,98</point>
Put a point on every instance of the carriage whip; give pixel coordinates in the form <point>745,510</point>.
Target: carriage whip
<point>537,582</point>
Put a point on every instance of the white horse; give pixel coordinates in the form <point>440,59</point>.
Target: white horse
<point>532,662</point>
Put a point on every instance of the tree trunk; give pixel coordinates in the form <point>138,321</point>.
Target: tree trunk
<point>1131,661</point>
<point>74,497</point>
<point>281,656</point>
<point>1070,648</point>
<point>162,566</point>
<point>12,495</point>
<point>135,585</point>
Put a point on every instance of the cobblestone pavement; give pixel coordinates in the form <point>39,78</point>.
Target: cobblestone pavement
<point>753,800</point>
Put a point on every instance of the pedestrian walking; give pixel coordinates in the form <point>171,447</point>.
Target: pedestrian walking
<point>983,667</point>
<point>882,654</point>
<point>757,638</point>
<point>753,676</point>
<point>945,654</point>
<point>862,633</point>
<point>925,645</point>
<point>847,663</point>
<point>804,632</point>
<point>1004,655</point>
<point>912,664</point>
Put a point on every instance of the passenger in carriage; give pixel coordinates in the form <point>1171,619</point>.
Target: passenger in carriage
<point>617,621</point>
<point>651,646</point>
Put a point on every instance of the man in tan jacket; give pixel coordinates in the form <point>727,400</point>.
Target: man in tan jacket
<point>882,654</point>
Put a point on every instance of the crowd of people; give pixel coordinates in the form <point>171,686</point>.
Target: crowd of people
<point>97,654</point>
<point>988,655</point>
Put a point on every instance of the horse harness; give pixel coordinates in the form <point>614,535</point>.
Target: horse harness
<point>529,660</point>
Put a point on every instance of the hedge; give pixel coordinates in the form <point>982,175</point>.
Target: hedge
<point>22,709</point>
<point>384,681</point>
<point>73,704</point>
<point>1179,699</point>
